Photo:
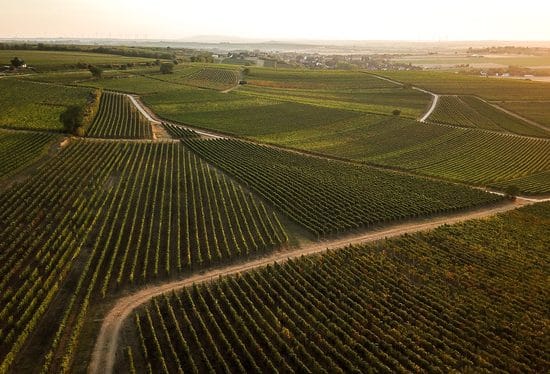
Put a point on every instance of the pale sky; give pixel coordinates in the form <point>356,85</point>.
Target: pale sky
<point>279,19</point>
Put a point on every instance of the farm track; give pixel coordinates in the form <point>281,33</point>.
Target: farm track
<point>215,135</point>
<point>159,132</point>
<point>435,100</point>
<point>103,356</point>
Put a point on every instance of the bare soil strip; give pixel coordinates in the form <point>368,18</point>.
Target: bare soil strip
<point>103,356</point>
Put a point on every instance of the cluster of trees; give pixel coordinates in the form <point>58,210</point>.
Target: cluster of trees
<point>76,118</point>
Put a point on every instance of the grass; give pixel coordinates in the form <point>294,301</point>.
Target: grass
<point>37,106</point>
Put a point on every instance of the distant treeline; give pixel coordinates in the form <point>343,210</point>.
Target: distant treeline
<point>156,53</point>
<point>511,50</point>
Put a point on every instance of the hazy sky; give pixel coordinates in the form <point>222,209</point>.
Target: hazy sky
<point>279,19</point>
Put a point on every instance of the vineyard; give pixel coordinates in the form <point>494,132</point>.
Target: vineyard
<point>457,299</point>
<point>469,111</point>
<point>535,184</point>
<point>475,157</point>
<point>18,149</point>
<point>36,106</point>
<point>217,79</point>
<point>179,131</point>
<point>105,216</point>
<point>330,197</point>
<point>117,117</point>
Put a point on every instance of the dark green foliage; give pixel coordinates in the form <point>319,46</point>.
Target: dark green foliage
<point>167,67</point>
<point>96,71</point>
<point>72,119</point>
<point>17,62</point>
<point>329,197</point>
<point>464,298</point>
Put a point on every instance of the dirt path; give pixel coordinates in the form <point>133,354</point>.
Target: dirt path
<point>103,356</point>
<point>151,116</point>
<point>435,97</point>
<point>159,132</point>
<point>435,100</point>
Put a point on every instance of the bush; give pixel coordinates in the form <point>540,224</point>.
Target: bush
<point>72,119</point>
<point>96,71</point>
<point>511,191</point>
<point>396,112</point>
<point>166,67</point>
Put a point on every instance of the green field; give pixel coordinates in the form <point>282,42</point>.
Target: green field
<point>331,197</point>
<point>504,61</point>
<point>105,216</point>
<point>18,149</point>
<point>491,89</point>
<point>53,60</point>
<point>469,111</point>
<point>118,118</point>
<point>36,106</point>
<point>464,298</point>
<point>90,220</point>
<point>315,79</point>
<point>536,111</point>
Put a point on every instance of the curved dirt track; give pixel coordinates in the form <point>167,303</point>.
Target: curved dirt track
<point>103,356</point>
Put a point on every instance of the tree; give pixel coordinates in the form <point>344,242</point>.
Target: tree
<point>511,191</point>
<point>96,71</point>
<point>396,112</point>
<point>17,62</point>
<point>246,71</point>
<point>72,119</point>
<point>166,67</point>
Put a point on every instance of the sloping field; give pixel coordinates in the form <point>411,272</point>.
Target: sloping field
<point>330,197</point>
<point>36,106</point>
<point>117,117</point>
<point>102,217</point>
<point>469,111</point>
<point>431,302</point>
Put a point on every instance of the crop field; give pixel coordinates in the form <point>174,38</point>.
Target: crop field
<point>534,184</point>
<point>343,90</point>
<point>117,117</point>
<point>460,154</point>
<point>315,79</point>
<point>217,79</point>
<point>179,131</point>
<point>36,106</point>
<point>475,157</point>
<point>536,111</point>
<point>251,178</point>
<point>56,60</point>
<point>259,120</point>
<point>137,84</point>
<point>429,302</point>
<point>491,89</point>
<point>104,216</point>
<point>469,111</point>
<point>330,197</point>
<point>17,149</point>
